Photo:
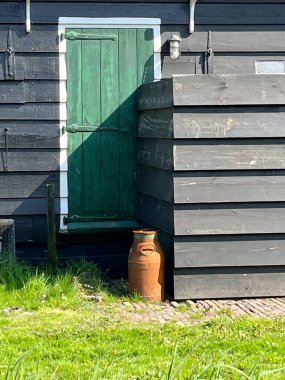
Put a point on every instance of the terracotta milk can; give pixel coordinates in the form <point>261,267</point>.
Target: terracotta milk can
<point>146,266</point>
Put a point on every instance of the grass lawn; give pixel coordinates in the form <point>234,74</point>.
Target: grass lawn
<point>48,330</point>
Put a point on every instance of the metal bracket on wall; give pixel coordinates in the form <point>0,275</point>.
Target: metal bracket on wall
<point>210,54</point>
<point>192,6</point>
<point>28,16</point>
<point>9,58</point>
<point>5,168</point>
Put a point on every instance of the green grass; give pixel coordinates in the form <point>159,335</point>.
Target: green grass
<point>49,331</point>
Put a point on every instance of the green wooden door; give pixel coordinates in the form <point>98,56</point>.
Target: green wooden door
<point>104,69</point>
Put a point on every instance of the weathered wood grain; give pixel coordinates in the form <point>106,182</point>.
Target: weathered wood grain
<point>228,122</point>
<point>27,92</point>
<point>156,123</point>
<point>30,134</point>
<point>228,63</point>
<point>223,251</point>
<point>37,111</point>
<point>229,284</point>
<point>221,187</point>
<point>25,160</point>
<point>155,95</point>
<point>43,39</point>
<point>229,219</point>
<point>156,182</point>
<point>27,206</point>
<point>186,64</point>
<point>25,185</point>
<point>245,154</point>
<point>34,66</point>
<point>195,90</point>
<point>227,14</point>
<point>156,153</point>
<point>156,213</point>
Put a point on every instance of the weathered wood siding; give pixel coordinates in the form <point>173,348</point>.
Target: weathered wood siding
<point>212,175</point>
<point>228,162</point>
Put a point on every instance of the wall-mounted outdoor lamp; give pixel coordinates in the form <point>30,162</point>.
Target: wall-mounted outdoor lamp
<point>28,16</point>
<point>175,47</point>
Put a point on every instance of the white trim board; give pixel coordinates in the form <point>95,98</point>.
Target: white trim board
<point>79,22</point>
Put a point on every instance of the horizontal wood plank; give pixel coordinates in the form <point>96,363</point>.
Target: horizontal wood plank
<point>229,219</point>
<point>156,123</point>
<point>30,134</point>
<point>156,182</point>
<point>196,90</point>
<point>25,185</point>
<point>156,213</point>
<point>27,160</point>
<point>170,13</point>
<point>157,153</point>
<point>27,206</point>
<point>28,92</point>
<point>186,64</point>
<point>155,95</point>
<point>237,155</point>
<point>220,122</point>
<point>243,63</point>
<point>34,66</point>
<point>257,250</point>
<point>37,111</point>
<point>43,39</point>
<point>231,284</point>
<point>222,187</point>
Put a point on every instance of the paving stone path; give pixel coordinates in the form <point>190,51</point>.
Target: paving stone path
<point>193,312</point>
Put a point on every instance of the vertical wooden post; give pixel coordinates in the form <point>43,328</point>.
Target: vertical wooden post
<point>51,227</point>
<point>7,240</point>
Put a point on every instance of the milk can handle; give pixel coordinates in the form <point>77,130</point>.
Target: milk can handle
<point>143,251</point>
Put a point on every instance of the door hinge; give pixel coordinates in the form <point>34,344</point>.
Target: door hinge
<point>85,36</point>
<point>87,219</point>
<point>9,58</point>
<point>74,128</point>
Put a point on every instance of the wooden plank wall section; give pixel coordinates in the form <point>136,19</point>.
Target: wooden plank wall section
<point>229,177</point>
<point>29,113</point>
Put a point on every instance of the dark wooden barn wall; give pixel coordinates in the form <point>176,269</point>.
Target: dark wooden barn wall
<point>229,161</point>
<point>212,176</point>
<point>32,115</point>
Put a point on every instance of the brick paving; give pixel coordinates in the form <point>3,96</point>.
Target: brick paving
<point>192,312</point>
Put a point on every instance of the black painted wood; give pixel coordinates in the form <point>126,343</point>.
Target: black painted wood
<point>37,111</point>
<point>228,186</point>
<point>171,13</point>
<point>229,155</point>
<point>12,92</point>
<point>157,153</point>
<point>196,90</point>
<point>223,251</point>
<point>33,66</point>
<point>25,160</point>
<point>225,122</point>
<point>231,283</point>
<point>155,95</point>
<point>26,206</point>
<point>30,134</point>
<point>156,123</point>
<point>156,213</point>
<point>229,219</point>
<point>27,185</point>
<point>156,182</point>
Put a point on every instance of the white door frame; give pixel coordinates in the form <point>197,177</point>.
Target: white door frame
<point>79,22</point>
